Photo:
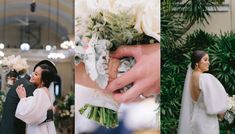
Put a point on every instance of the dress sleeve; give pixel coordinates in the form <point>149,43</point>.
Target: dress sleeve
<point>214,95</point>
<point>33,109</point>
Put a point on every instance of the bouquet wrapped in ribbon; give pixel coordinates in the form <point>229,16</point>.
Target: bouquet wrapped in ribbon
<point>105,27</point>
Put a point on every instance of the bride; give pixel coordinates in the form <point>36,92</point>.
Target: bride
<point>33,109</point>
<point>204,98</point>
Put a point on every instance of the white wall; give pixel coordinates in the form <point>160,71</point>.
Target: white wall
<point>219,21</point>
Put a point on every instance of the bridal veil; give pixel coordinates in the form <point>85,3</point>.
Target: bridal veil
<point>186,105</point>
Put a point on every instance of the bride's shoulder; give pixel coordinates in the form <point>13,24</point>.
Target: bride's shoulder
<point>196,75</point>
<point>207,76</point>
<point>41,90</point>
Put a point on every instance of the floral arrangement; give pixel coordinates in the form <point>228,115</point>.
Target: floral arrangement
<point>104,30</point>
<point>230,113</point>
<point>65,107</point>
<point>64,113</point>
<point>15,63</point>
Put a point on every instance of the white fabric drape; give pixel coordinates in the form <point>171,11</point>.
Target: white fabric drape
<point>52,92</point>
<point>146,118</point>
<point>186,105</point>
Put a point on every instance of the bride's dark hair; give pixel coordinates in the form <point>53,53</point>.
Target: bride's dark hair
<point>47,75</point>
<point>196,57</point>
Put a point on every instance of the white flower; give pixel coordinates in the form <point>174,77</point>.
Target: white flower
<point>84,8</point>
<point>231,101</point>
<point>20,64</point>
<point>146,12</point>
<point>148,20</point>
<point>15,62</point>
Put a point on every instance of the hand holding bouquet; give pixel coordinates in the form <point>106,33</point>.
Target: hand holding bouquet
<point>107,30</point>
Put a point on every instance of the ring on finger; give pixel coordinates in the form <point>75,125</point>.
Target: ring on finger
<point>142,96</point>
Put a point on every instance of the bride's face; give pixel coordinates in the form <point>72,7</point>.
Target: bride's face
<point>204,63</point>
<point>36,77</point>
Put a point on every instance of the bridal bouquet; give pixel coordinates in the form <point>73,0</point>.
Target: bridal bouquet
<point>106,30</point>
<point>15,63</point>
<point>230,113</point>
<point>15,66</point>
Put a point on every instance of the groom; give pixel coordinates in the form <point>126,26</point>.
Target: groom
<point>10,124</point>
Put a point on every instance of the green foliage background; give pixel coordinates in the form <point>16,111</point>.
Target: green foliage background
<point>176,48</point>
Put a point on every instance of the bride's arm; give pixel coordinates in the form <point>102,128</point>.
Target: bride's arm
<point>33,109</point>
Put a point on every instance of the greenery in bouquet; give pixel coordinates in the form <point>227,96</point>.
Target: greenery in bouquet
<point>117,28</point>
<point>108,31</point>
<point>230,113</point>
<point>65,108</point>
<point>104,116</point>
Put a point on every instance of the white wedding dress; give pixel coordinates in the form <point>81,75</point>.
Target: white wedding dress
<point>33,111</point>
<point>200,117</point>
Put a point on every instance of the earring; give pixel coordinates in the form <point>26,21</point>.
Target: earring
<point>196,65</point>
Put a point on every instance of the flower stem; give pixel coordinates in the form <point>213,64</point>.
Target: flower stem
<point>104,116</point>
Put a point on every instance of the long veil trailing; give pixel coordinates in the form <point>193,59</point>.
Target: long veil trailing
<point>186,105</point>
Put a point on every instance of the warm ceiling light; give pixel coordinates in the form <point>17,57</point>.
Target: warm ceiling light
<point>48,47</point>
<point>67,44</point>
<point>25,47</point>
<point>2,54</point>
<point>1,46</point>
<point>56,56</point>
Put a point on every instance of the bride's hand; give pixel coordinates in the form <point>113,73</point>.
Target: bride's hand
<point>20,90</point>
<point>145,74</point>
<point>221,116</point>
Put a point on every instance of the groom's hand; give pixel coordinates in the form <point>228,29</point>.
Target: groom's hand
<point>145,74</point>
<point>49,116</point>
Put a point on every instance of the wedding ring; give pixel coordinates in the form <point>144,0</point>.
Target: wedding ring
<point>142,96</point>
